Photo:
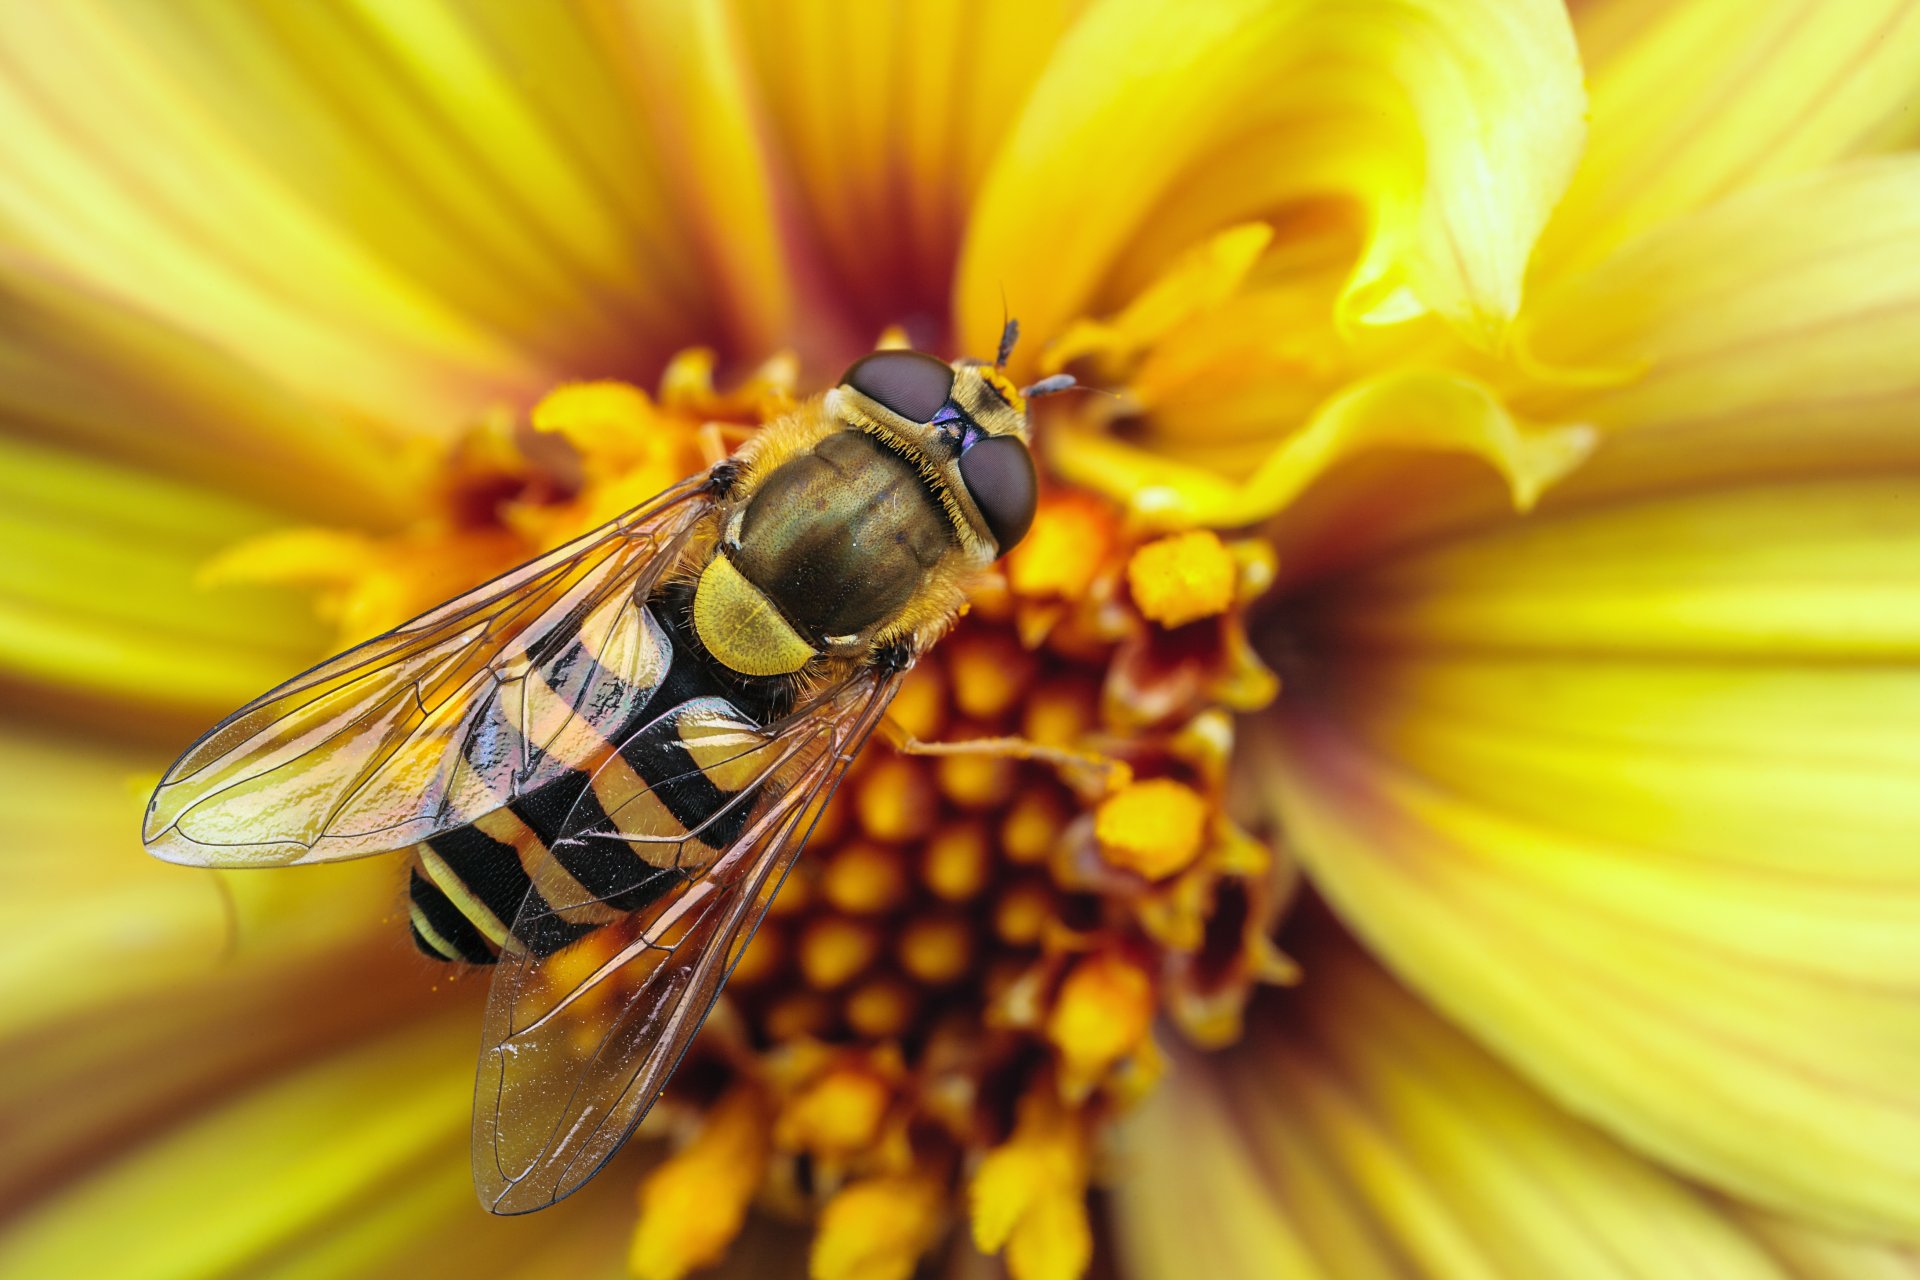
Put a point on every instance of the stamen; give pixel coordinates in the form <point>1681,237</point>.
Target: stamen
<point>694,1204</point>
<point>1182,579</point>
<point>1154,827</point>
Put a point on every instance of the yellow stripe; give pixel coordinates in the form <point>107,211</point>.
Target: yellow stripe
<point>571,900</point>
<point>463,900</point>
<point>733,755</point>
<point>432,936</point>
<point>633,807</point>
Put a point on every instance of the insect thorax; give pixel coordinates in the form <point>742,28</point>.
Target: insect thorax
<point>833,545</point>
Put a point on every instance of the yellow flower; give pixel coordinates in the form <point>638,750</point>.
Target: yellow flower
<point>1530,391</point>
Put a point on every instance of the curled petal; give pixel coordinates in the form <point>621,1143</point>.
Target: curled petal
<point>1453,126</point>
<point>1418,411</point>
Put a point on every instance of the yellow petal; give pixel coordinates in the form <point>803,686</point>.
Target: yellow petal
<point>99,594</point>
<point>82,370</point>
<point>1454,126</point>
<point>1413,411</point>
<point>427,206</point>
<point>1693,101</point>
<point>1775,334</point>
<point>354,1164</point>
<point>1769,337</point>
<point>1356,1136</point>
<point>1628,791</point>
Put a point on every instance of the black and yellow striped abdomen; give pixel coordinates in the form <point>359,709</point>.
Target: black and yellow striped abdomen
<point>625,813</point>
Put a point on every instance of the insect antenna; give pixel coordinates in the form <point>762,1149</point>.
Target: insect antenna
<point>1009,334</point>
<point>1051,386</point>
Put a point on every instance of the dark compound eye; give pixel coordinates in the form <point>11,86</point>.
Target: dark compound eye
<point>910,383</point>
<point>998,473</point>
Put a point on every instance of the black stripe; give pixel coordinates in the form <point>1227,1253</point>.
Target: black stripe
<point>670,771</point>
<point>567,816</point>
<point>447,921</point>
<point>565,812</point>
<point>491,871</point>
<point>614,873</point>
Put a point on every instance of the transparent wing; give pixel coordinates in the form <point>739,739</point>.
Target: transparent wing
<point>440,720</point>
<point>580,1042</point>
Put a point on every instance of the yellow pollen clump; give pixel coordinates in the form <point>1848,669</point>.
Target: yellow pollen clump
<point>1101,1014</point>
<point>864,879</point>
<point>837,1115</point>
<point>876,1229</point>
<point>895,801</point>
<point>1154,827</point>
<point>1064,550</point>
<point>880,1007</point>
<point>958,862</point>
<point>975,781</point>
<point>936,949</point>
<point>834,949</point>
<point>695,1202</point>
<point>1182,579</point>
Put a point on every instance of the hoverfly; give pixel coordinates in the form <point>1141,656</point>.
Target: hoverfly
<point>604,762</point>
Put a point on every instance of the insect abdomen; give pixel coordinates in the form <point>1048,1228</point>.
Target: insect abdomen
<point>613,829</point>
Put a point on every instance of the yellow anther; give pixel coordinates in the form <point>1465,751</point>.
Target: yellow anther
<point>936,949</point>
<point>834,949</point>
<point>1156,827</point>
<point>880,1007</point>
<point>1064,550</point>
<point>990,672</point>
<point>1029,1196</point>
<point>1032,825</point>
<point>878,1228</point>
<point>763,956</point>
<point>794,1017</point>
<point>864,878</point>
<point>694,1203</point>
<point>975,781</point>
<point>920,708</point>
<point>1101,1014</point>
<point>1183,578</point>
<point>838,1114</point>
<point>958,861</point>
<point>1022,913</point>
<point>896,801</point>
<point>1060,712</point>
<point>797,894</point>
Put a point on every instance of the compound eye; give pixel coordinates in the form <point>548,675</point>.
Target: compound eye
<point>910,383</point>
<point>998,472</point>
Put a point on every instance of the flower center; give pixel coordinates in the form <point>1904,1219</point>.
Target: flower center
<point>957,987</point>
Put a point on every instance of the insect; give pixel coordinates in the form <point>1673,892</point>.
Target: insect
<point>604,762</point>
